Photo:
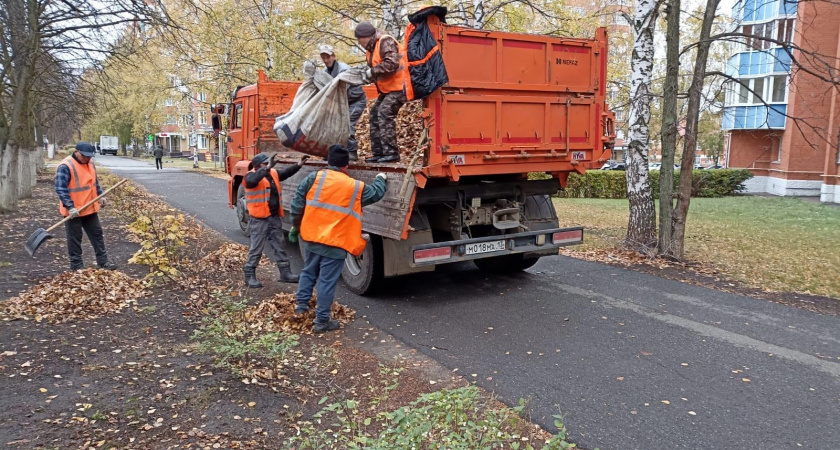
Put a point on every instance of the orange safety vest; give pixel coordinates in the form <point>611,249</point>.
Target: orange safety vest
<point>82,187</point>
<point>333,214</point>
<point>394,82</point>
<point>257,198</point>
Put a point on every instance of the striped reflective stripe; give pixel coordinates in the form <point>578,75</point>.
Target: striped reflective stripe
<point>76,180</point>
<point>316,202</point>
<point>260,196</point>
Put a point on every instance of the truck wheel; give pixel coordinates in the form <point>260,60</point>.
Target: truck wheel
<point>242,211</point>
<point>362,274</point>
<point>500,265</point>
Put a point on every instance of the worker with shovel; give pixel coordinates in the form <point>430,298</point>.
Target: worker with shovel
<point>76,184</point>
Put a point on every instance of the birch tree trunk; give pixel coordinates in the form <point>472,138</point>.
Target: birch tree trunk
<point>670,126</point>
<point>695,95</point>
<point>480,14</point>
<point>641,226</point>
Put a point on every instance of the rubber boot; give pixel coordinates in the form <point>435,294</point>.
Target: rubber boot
<point>286,275</point>
<point>251,277</point>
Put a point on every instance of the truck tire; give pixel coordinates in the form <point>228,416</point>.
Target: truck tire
<point>363,274</point>
<point>242,211</point>
<point>507,264</point>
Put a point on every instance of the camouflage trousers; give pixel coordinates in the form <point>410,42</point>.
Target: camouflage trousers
<point>356,111</point>
<point>383,123</point>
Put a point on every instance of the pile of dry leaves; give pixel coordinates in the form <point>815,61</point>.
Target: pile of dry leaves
<point>278,314</point>
<point>410,125</point>
<point>85,294</point>
<point>229,258</point>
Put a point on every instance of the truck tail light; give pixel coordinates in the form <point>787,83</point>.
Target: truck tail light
<point>432,254</point>
<point>567,237</point>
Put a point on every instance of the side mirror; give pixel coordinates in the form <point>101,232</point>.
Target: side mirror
<point>217,123</point>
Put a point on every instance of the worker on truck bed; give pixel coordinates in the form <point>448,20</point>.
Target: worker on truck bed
<point>264,198</point>
<point>355,96</point>
<point>384,60</point>
<point>76,184</point>
<point>327,209</point>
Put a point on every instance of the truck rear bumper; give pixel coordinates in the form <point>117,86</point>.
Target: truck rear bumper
<point>532,243</point>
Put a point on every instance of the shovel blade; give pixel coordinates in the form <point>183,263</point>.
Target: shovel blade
<point>38,237</point>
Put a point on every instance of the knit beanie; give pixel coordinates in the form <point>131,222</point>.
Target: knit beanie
<point>364,29</point>
<point>338,156</point>
<point>257,161</point>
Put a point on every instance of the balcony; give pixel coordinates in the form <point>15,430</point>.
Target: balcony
<point>758,117</point>
<point>775,60</point>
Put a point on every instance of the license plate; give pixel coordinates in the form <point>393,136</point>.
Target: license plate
<point>485,247</point>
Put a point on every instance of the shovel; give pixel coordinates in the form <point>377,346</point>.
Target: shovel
<point>40,235</point>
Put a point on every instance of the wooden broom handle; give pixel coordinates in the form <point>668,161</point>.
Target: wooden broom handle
<point>86,205</point>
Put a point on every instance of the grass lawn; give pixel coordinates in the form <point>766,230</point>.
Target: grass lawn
<point>780,244</point>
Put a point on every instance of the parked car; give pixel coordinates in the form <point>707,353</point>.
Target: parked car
<point>654,166</point>
<point>616,166</point>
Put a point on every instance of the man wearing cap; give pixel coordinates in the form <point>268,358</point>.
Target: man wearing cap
<point>327,209</point>
<point>383,54</point>
<point>355,96</point>
<point>264,199</point>
<point>76,184</point>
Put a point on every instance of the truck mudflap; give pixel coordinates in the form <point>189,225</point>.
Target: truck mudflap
<point>536,243</point>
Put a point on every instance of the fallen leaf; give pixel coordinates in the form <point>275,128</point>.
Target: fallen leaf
<point>666,402</point>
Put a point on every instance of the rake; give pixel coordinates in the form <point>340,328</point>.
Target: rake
<point>40,235</point>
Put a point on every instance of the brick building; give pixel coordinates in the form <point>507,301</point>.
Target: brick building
<point>782,119</point>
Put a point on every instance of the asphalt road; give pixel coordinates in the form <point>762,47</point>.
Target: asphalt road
<point>631,360</point>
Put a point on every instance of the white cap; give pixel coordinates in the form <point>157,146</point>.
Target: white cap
<point>324,48</point>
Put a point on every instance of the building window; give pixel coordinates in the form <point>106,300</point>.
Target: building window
<point>202,117</point>
<point>170,120</point>
<point>778,151</point>
<point>202,96</point>
<point>758,91</point>
<point>168,102</point>
<point>202,142</point>
<point>779,89</point>
<point>784,30</point>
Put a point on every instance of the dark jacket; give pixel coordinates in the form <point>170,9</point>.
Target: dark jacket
<point>158,152</point>
<point>254,178</point>
<point>355,93</point>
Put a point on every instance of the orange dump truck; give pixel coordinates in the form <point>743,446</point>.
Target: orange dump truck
<point>515,104</point>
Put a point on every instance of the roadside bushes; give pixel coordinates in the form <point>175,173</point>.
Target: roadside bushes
<point>612,183</point>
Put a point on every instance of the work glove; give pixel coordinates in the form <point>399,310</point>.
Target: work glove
<point>293,235</point>
<point>73,213</point>
<point>382,175</point>
<point>273,161</point>
<point>102,202</point>
<point>367,76</point>
<point>303,160</point>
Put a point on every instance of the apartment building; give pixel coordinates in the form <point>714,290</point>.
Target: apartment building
<point>781,114</point>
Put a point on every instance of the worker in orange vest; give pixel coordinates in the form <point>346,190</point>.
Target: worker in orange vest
<point>264,198</point>
<point>76,184</point>
<point>384,59</point>
<point>327,209</point>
